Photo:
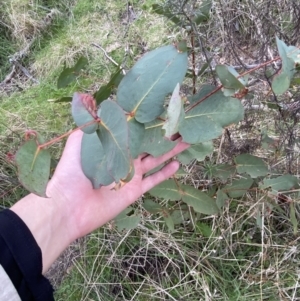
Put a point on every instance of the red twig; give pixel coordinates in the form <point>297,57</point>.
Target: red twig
<point>221,86</point>
<point>202,99</point>
<point>46,144</point>
<point>259,66</point>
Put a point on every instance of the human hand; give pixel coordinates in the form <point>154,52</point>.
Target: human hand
<point>87,208</point>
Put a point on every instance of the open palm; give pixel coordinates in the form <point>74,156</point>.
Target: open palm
<point>90,208</point>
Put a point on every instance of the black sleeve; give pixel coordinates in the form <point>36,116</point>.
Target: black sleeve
<point>21,258</point>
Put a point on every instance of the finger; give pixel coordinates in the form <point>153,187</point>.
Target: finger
<point>71,151</point>
<point>150,162</point>
<point>175,137</point>
<point>160,176</point>
<point>143,156</point>
<point>73,144</point>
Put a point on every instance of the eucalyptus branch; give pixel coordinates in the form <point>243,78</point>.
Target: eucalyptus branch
<point>204,98</point>
<point>53,141</point>
<point>221,86</point>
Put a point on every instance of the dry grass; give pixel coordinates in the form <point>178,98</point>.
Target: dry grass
<point>26,19</point>
<point>250,250</point>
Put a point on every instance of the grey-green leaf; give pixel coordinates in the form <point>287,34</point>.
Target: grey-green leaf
<point>197,151</point>
<point>238,187</point>
<point>206,121</point>
<point>229,79</point>
<point>136,135</point>
<point>114,138</point>
<point>223,171</point>
<point>33,167</point>
<point>143,90</point>
<point>281,81</point>
<point>281,183</point>
<point>154,143</point>
<point>168,190</point>
<point>93,161</point>
<point>124,221</point>
<point>175,113</point>
<point>293,53</point>
<point>205,90</point>
<point>199,200</point>
<point>84,112</point>
<point>152,206</point>
<point>252,165</point>
<point>181,173</point>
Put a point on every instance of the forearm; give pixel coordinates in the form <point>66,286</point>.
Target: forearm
<point>48,222</point>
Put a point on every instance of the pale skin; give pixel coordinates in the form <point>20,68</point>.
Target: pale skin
<point>73,208</point>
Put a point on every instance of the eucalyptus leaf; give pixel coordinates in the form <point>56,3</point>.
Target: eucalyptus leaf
<point>181,173</point>
<point>199,200</point>
<point>281,183</point>
<point>281,83</point>
<point>33,166</point>
<point>293,53</point>
<point>168,190</point>
<point>238,187</point>
<point>66,77</point>
<point>206,121</point>
<point>84,111</point>
<point>282,80</point>
<point>136,135</point>
<point>252,165</point>
<point>197,151</point>
<point>114,138</point>
<point>229,79</point>
<point>175,113</point>
<point>223,171</point>
<point>204,91</point>
<point>154,170</point>
<point>154,143</point>
<point>93,161</point>
<point>125,221</point>
<point>152,206</point>
<point>143,89</point>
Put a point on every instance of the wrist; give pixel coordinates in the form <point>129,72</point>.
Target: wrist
<point>46,219</point>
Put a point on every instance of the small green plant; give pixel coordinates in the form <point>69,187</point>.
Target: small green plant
<point>144,119</point>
